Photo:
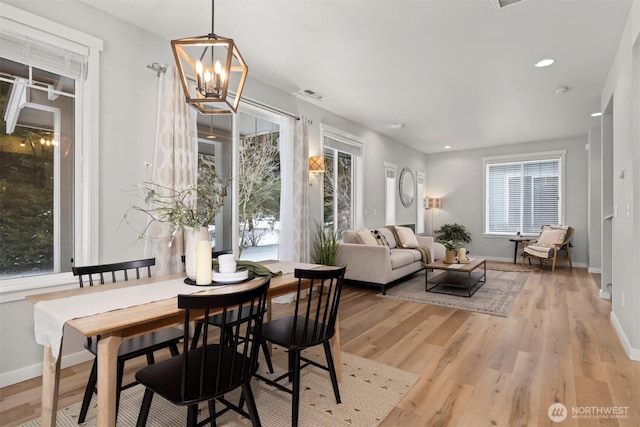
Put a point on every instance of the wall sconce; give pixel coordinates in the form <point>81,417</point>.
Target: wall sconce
<point>316,167</point>
<point>316,164</point>
<point>433,203</point>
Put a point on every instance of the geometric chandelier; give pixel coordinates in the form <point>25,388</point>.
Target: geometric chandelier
<point>212,71</point>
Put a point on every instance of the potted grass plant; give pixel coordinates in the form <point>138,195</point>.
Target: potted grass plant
<point>325,245</point>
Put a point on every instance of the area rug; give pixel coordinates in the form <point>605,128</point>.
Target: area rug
<point>369,391</point>
<point>509,266</point>
<point>495,297</point>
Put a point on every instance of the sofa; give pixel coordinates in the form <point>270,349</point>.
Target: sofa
<point>382,256</point>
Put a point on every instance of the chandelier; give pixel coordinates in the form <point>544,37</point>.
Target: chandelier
<point>212,71</point>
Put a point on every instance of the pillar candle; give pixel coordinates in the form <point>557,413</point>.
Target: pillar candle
<point>203,262</point>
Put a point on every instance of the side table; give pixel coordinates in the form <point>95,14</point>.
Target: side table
<point>517,240</point>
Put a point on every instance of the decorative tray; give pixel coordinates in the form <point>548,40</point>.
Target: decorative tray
<point>221,279</point>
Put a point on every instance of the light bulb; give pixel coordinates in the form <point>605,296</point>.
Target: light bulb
<point>207,76</point>
<point>223,76</point>
<point>218,67</point>
<point>199,66</point>
<point>42,141</point>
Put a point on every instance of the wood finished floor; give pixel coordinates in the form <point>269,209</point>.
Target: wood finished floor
<point>556,345</point>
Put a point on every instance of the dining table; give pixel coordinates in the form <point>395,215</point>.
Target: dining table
<point>133,317</point>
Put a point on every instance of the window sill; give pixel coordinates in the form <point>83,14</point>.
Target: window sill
<point>19,288</point>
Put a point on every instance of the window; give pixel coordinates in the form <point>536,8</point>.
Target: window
<point>523,193</point>
<point>259,184</point>
<point>342,204</point>
<point>48,86</point>
<point>390,193</point>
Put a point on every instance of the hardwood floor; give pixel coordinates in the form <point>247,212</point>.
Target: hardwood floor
<point>556,345</point>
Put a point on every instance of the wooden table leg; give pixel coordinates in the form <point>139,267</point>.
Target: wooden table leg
<point>107,377</point>
<point>335,350</point>
<point>50,387</point>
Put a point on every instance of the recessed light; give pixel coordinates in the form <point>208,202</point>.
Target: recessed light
<point>598,114</point>
<point>397,126</point>
<point>446,147</point>
<point>544,63</point>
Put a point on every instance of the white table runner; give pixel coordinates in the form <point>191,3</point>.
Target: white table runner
<point>50,316</point>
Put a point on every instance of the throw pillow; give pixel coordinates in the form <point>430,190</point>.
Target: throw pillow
<point>388,234</point>
<point>365,237</point>
<point>407,237</point>
<point>382,241</point>
<point>551,236</point>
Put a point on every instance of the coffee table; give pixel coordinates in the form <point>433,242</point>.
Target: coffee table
<point>456,277</point>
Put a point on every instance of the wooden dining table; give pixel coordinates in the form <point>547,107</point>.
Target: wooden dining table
<point>116,325</point>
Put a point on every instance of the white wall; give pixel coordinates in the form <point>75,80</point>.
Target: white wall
<point>623,86</point>
<point>457,177</point>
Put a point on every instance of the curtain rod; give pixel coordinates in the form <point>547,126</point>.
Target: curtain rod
<point>158,68</point>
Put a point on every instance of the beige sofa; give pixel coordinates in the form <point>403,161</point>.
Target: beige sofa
<point>380,263</point>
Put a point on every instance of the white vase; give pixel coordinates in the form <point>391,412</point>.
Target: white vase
<point>191,236</point>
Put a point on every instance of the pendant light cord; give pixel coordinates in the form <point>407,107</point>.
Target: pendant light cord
<point>213,7</point>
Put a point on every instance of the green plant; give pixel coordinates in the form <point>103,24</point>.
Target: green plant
<point>453,235</point>
<point>449,245</point>
<point>195,206</point>
<point>325,245</point>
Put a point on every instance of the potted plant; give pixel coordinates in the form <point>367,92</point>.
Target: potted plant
<point>452,236</point>
<point>325,245</point>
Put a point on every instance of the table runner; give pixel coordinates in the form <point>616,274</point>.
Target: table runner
<point>50,316</point>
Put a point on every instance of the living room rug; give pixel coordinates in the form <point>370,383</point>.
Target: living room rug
<point>495,297</point>
<point>369,391</point>
<point>509,266</point>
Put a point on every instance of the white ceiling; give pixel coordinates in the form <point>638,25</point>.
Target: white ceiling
<point>454,72</point>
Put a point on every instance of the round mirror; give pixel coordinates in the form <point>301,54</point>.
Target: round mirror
<point>407,187</point>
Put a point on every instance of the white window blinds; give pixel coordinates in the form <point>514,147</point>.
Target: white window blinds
<point>522,196</point>
<point>41,55</point>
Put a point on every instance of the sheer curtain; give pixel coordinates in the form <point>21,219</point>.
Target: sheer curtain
<point>173,165</point>
<point>301,191</point>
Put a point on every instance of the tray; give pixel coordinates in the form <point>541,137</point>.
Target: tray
<point>223,282</point>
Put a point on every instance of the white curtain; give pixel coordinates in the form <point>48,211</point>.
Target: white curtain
<point>173,165</point>
<point>300,227</point>
<point>294,193</point>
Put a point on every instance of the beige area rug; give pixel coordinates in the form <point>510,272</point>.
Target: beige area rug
<point>509,266</point>
<point>495,297</point>
<point>369,391</point>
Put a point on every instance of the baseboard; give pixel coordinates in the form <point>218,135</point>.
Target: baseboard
<point>595,270</point>
<point>605,295</point>
<point>632,353</point>
<point>33,371</point>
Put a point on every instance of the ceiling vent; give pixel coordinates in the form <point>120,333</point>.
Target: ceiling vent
<point>315,95</point>
<point>499,4</point>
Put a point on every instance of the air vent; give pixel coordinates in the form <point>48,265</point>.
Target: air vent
<point>312,94</point>
<point>499,4</point>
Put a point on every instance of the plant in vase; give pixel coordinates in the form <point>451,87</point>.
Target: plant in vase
<point>190,210</point>
<point>452,236</point>
<point>450,254</point>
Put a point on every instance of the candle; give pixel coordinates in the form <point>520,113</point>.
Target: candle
<point>462,254</point>
<point>203,262</point>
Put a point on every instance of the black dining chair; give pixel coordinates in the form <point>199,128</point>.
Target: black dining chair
<point>131,348</point>
<point>215,366</point>
<point>313,323</point>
